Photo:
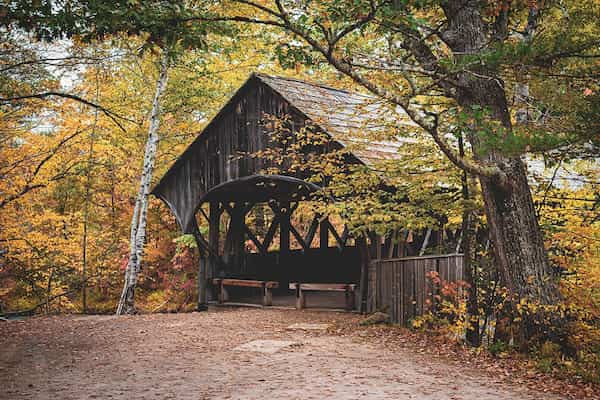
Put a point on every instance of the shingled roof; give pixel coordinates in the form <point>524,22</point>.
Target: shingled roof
<point>353,119</point>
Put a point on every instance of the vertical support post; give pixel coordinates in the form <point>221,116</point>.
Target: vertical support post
<point>284,242</point>
<point>284,230</point>
<point>375,245</point>
<point>216,285</point>
<point>300,297</point>
<point>203,257</point>
<point>234,243</point>
<point>202,282</point>
<point>391,243</point>
<point>349,296</point>
<point>363,248</point>
<point>224,295</point>
<point>214,218</point>
<point>324,234</point>
<point>267,294</point>
<point>238,249</point>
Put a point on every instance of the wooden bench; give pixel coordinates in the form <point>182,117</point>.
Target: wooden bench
<point>266,286</point>
<point>301,288</point>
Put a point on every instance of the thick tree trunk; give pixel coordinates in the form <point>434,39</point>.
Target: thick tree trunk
<point>518,244</point>
<point>138,221</point>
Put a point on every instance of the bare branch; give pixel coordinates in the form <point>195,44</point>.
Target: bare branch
<point>465,164</point>
<point>110,114</point>
<point>29,186</point>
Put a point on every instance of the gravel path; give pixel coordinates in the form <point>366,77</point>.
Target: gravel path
<point>194,356</point>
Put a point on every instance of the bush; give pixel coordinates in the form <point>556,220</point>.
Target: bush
<point>498,347</point>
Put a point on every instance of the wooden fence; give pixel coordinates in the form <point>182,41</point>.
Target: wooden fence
<point>400,286</point>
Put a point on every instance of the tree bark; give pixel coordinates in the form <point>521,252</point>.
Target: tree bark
<point>472,335</point>
<point>87,199</point>
<point>518,244</point>
<point>138,221</point>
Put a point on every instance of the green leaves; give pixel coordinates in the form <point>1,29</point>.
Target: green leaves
<point>291,54</point>
<point>162,23</point>
<point>187,241</point>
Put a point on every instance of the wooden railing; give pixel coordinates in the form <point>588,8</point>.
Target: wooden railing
<point>400,286</point>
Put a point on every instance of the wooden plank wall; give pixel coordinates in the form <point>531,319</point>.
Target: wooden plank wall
<point>401,287</point>
<point>223,152</point>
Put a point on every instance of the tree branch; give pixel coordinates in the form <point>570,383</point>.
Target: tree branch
<point>29,186</point>
<point>425,57</point>
<point>110,114</point>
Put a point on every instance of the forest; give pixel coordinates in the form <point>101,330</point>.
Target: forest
<point>501,100</point>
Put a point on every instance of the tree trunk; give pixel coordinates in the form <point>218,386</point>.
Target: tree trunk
<point>518,244</point>
<point>138,221</point>
<point>472,335</point>
<point>86,206</point>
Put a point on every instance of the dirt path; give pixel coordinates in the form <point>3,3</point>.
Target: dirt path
<point>193,356</point>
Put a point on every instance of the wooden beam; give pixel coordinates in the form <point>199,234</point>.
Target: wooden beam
<point>365,260</point>
<point>392,239</point>
<point>340,241</point>
<point>206,217</point>
<point>214,222</point>
<point>284,228</point>
<point>204,249</point>
<point>294,207</point>
<point>202,284</point>
<point>246,283</point>
<point>324,234</point>
<point>375,246</point>
<point>203,244</point>
<point>254,239</point>
<point>345,235</point>
<point>312,231</point>
<point>234,245</point>
<point>245,209</point>
<point>271,232</point>
<point>298,237</point>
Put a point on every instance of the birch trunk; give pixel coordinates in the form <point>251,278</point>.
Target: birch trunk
<point>140,211</point>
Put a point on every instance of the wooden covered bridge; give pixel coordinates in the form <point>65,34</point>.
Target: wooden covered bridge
<point>218,180</point>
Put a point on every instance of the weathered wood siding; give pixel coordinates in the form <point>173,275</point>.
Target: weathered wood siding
<point>400,287</point>
<point>221,153</point>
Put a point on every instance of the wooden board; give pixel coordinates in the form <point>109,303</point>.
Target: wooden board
<point>330,287</point>
<point>246,283</point>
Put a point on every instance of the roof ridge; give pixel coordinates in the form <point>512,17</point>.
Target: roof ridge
<point>318,84</point>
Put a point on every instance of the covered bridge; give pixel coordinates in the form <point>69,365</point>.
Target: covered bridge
<point>218,179</point>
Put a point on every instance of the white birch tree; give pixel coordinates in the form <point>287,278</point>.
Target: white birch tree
<point>140,211</point>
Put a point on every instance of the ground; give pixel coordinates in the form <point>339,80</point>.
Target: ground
<point>196,356</point>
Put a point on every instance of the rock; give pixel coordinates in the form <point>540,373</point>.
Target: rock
<point>375,319</point>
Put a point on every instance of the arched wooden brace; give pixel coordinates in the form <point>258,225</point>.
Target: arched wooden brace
<point>237,197</point>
